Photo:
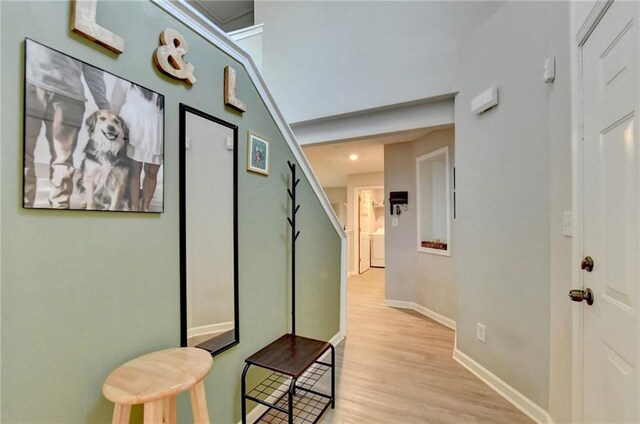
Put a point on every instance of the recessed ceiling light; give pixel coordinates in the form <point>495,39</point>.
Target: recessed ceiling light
<point>353,156</point>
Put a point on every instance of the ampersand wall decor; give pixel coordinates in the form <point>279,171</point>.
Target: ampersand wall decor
<point>168,57</point>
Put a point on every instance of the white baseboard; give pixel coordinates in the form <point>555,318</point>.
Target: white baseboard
<point>517,399</point>
<point>447,322</point>
<point>256,412</point>
<point>337,339</point>
<point>209,329</point>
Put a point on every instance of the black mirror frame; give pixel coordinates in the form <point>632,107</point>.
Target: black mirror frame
<point>213,348</point>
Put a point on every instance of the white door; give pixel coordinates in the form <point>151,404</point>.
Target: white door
<point>364,205</point>
<point>612,217</point>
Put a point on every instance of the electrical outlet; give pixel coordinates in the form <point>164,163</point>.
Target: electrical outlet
<point>481,333</point>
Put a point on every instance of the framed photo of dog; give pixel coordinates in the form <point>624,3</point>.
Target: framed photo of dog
<point>257,154</point>
<point>92,140</point>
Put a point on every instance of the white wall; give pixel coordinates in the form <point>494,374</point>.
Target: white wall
<point>514,166</point>
<point>250,40</point>
<point>400,241</point>
<point>413,276</point>
<point>378,214</point>
<point>513,182</point>
<point>338,198</point>
<point>327,58</point>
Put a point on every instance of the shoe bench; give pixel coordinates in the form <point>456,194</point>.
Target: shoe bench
<point>289,392</point>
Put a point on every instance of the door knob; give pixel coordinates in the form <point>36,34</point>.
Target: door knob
<point>587,264</point>
<point>580,295</point>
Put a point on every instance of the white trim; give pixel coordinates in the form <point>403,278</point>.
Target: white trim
<point>517,399</point>
<point>209,329</point>
<point>391,119</point>
<point>577,188</point>
<point>256,412</point>
<point>597,12</point>
<point>344,243</point>
<point>0,211</point>
<point>241,34</point>
<point>189,16</point>
<point>337,339</point>
<point>441,319</point>
<point>577,223</point>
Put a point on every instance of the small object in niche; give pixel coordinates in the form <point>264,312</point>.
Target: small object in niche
<point>169,56</point>
<point>435,244</point>
<point>230,96</point>
<point>258,154</point>
<point>83,22</point>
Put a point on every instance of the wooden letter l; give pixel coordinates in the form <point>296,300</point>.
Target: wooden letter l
<point>83,22</point>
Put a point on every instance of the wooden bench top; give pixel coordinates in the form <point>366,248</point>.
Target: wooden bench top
<point>290,354</point>
<point>157,375</point>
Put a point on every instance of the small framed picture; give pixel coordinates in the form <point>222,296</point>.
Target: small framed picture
<point>258,154</point>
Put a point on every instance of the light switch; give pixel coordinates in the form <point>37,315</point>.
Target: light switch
<point>229,143</point>
<point>394,221</point>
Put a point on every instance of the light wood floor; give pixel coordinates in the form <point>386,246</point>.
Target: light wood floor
<point>396,366</point>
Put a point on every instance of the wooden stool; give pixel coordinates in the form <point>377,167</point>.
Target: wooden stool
<point>154,380</point>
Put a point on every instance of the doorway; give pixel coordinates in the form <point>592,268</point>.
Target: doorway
<point>607,323</point>
<point>369,223</point>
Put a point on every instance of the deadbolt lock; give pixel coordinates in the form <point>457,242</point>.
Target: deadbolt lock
<point>587,264</point>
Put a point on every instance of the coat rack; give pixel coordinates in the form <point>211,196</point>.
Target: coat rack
<point>293,359</point>
<point>294,236</point>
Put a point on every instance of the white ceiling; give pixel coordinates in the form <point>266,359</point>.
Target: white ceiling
<point>223,13</point>
<point>331,162</point>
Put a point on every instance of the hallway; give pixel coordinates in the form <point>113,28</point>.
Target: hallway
<point>396,366</point>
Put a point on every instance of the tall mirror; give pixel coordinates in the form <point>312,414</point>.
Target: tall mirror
<point>208,231</point>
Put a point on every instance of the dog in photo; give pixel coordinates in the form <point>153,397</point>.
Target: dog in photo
<point>104,172</point>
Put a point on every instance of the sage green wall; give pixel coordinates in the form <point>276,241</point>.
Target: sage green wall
<point>83,292</point>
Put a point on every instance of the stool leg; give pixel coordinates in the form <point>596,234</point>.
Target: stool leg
<point>199,404</point>
<point>121,414</point>
<point>153,412</point>
<point>170,410</point>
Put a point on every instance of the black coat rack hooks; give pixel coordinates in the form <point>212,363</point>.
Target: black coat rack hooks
<point>294,236</point>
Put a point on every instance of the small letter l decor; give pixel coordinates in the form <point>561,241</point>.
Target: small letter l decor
<point>230,97</point>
